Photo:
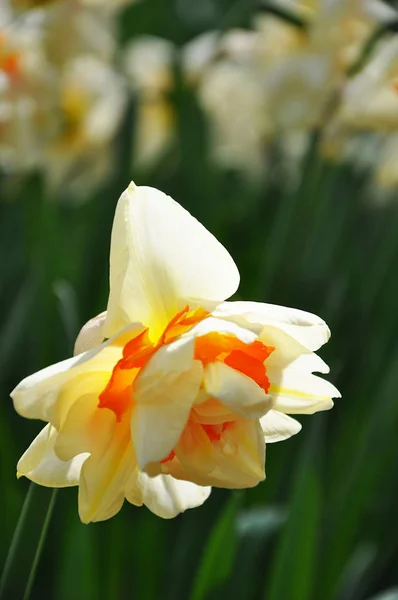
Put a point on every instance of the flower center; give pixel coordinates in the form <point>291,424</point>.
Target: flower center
<point>118,394</point>
<point>246,358</point>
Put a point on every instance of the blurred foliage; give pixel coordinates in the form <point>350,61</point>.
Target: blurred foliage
<point>323,525</point>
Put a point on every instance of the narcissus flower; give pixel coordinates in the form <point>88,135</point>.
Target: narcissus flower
<point>148,64</point>
<point>172,390</point>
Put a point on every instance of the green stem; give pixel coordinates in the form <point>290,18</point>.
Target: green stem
<point>22,559</point>
<point>15,542</point>
<point>40,545</point>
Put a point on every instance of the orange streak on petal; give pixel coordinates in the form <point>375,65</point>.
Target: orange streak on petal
<point>258,350</point>
<point>195,316</point>
<point>246,358</point>
<point>250,366</point>
<point>137,351</point>
<point>117,396</point>
<point>169,457</point>
<point>213,432</point>
<point>168,332</point>
<point>209,347</point>
<point>181,323</point>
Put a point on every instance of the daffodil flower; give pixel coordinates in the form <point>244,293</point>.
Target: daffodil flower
<point>172,390</point>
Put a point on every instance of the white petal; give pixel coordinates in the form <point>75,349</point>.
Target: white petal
<point>308,329</point>
<point>288,351</point>
<point>238,392</point>
<point>91,334</point>
<point>106,472</point>
<point>296,391</point>
<point>40,464</point>
<point>86,428</point>
<point>235,461</point>
<point>38,396</point>
<point>111,461</point>
<point>212,324</point>
<point>161,257</point>
<point>164,393</point>
<point>167,497</point>
<point>278,427</point>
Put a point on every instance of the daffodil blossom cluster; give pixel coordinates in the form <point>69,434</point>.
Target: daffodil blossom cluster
<point>61,98</point>
<point>263,90</point>
<point>173,389</point>
<point>277,83</point>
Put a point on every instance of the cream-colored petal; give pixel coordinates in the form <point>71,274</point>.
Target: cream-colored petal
<point>277,426</point>
<point>91,334</point>
<point>167,497</point>
<point>38,396</point>
<point>288,351</point>
<point>164,393</point>
<point>309,363</point>
<point>296,391</point>
<point>212,324</point>
<point>40,464</point>
<point>86,428</point>
<point>83,386</point>
<point>112,464</point>
<point>210,411</point>
<point>238,392</point>
<point>308,329</point>
<point>235,461</point>
<point>161,257</point>
<point>106,472</point>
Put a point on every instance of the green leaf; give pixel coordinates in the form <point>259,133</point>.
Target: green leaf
<point>12,329</point>
<point>387,595</point>
<point>68,309</point>
<point>354,578</point>
<point>218,558</point>
<point>292,574</point>
<point>27,544</point>
<point>256,530</point>
<point>77,573</point>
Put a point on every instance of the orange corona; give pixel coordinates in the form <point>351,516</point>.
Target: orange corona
<point>246,358</point>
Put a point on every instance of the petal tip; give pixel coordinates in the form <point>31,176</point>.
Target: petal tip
<point>132,187</point>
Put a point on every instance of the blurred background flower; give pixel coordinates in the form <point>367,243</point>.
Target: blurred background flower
<point>275,123</point>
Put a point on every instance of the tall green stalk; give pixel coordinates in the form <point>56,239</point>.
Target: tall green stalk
<point>23,556</point>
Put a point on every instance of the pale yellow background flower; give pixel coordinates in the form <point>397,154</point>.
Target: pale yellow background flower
<point>148,64</point>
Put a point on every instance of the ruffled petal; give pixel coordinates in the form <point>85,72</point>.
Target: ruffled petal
<point>161,258</point>
<point>49,393</point>
<point>277,426</point>
<point>235,461</point>
<point>164,393</point>
<point>40,464</point>
<point>238,392</point>
<point>297,391</point>
<point>212,324</point>
<point>91,334</point>
<point>165,496</point>
<point>308,329</point>
<point>103,481</point>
